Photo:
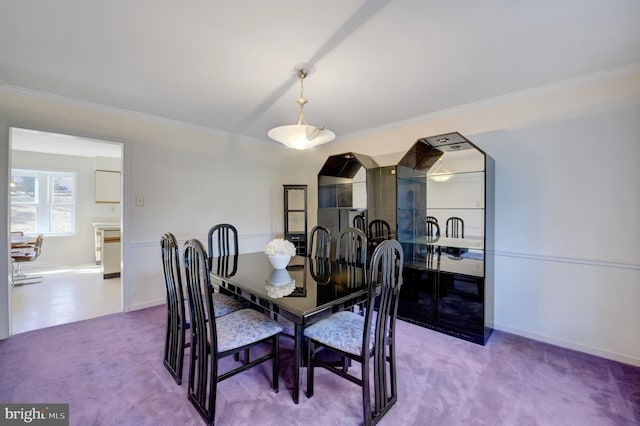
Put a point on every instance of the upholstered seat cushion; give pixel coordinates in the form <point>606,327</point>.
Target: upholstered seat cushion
<point>224,305</point>
<point>342,331</point>
<point>243,327</point>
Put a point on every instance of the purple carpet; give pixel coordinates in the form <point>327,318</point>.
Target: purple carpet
<point>110,371</point>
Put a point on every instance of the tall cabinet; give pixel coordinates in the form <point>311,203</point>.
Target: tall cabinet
<point>295,217</point>
<point>448,279</point>
<point>344,194</point>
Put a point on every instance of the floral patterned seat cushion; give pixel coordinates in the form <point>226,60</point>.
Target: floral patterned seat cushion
<point>342,331</point>
<point>224,305</point>
<point>243,327</point>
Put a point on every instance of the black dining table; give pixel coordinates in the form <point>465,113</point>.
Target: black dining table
<point>308,290</point>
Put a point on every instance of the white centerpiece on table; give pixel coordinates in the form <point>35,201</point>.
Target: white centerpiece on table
<point>280,252</point>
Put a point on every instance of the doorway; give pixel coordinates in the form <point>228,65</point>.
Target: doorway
<point>73,285</point>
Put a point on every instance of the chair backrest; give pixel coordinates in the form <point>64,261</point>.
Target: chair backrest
<point>17,233</point>
<point>351,247</point>
<point>199,289</point>
<point>320,242</point>
<point>385,281</point>
<point>176,316</point>
<point>433,229</point>
<point>379,230</point>
<point>37,246</point>
<point>455,227</point>
<point>359,223</point>
<point>222,241</point>
<point>172,276</point>
<point>432,219</point>
<point>320,269</point>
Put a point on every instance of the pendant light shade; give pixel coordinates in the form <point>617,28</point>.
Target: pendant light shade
<point>301,135</point>
<point>439,174</point>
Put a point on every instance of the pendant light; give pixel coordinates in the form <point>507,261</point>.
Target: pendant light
<point>301,135</point>
<point>439,174</point>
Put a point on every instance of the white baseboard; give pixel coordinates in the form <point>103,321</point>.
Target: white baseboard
<point>626,359</point>
<point>145,305</point>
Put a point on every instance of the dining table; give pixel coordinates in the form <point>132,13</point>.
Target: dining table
<point>308,290</point>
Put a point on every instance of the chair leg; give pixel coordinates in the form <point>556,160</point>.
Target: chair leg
<point>276,363</point>
<point>213,379</point>
<point>310,348</point>
<point>366,394</point>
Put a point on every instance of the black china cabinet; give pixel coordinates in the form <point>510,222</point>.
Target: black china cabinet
<point>445,221</point>
<point>295,217</point>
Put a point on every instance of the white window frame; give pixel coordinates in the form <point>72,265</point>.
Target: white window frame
<point>44,203</point>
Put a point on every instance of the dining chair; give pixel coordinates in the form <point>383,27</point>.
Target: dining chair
<point>379,230</point>
<point>320,269</point>
<point>177,323</point>
<point>359,222</point>
<point>455,229</point>
<point>320,242</point>
<point>432,219</point>
<point>433,234</point>
<point>222,241</point>
<point>214,337</point>
<point>363,338</point>
<point>174,342</point>
<point>351,247</point>
<point>25,252</point>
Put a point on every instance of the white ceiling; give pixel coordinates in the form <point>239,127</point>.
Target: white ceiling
<point>54,143</point>
<point>228,65</point>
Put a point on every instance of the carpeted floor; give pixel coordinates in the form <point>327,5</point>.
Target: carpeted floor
<point>110,371</point>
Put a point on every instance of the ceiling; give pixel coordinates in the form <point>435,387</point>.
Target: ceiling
<point>229,65</point>
<point>54,143</point>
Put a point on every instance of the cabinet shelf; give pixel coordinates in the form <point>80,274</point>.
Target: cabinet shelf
<point>295,217</point>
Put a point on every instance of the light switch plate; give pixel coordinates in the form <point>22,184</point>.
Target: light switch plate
<point>139,200</point>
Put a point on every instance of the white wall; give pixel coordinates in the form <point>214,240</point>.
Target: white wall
<point>78,248</point>
<point>567,237</point>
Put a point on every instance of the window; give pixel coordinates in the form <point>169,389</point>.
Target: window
<point>43,202</point>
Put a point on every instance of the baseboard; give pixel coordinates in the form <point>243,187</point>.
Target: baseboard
<point>145,305</point>
<point>626,359</point>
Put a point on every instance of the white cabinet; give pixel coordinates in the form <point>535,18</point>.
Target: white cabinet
<point>107,186</point>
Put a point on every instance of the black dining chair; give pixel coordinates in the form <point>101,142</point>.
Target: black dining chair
<point>455,229</point>
<point>379,230</point>
<point>360,223</point>
<point>320,242</point>
<point>351,247</point>
<point>177,323</point>
<point>320,269</point>
<point>214,337</point>
<point>353,336</point>
<point>222,241</point>
<point>433,234</point>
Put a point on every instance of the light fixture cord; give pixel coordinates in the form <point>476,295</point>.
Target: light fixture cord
<point>302,73</point>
